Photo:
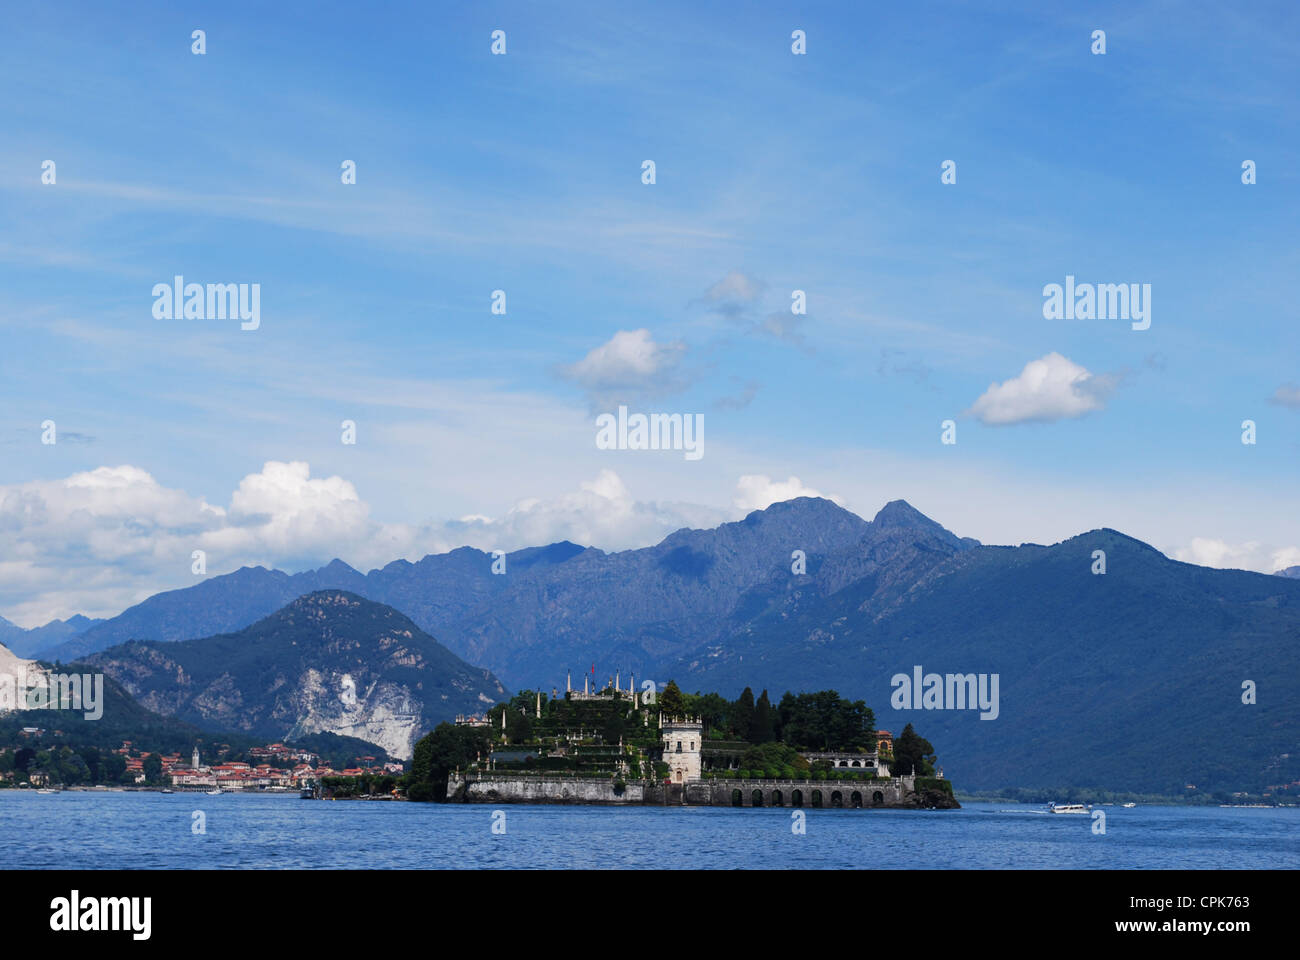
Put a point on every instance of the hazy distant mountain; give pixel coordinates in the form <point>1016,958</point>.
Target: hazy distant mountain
<point>438,589</point>
<point>1292,572</point>
<point>8,630</point>
<point>560,605</point>
<point>1131,679</point>
<point>330,662</point>
<point>38,640</point>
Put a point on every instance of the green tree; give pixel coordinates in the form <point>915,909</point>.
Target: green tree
<point>671,701</point>
<point>612,730</point>
<point>912,754</point>
<point>114,768</point>
<point>152,768</point>
<point>825,721</point>
<point>94,764</point>
<point>712,709</point>
<point>764,727</point>
<point>742,714</point>
<point>440,752</point>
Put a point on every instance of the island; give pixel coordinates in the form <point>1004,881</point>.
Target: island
<point>621,745</point>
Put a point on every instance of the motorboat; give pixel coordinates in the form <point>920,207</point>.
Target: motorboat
<point>1068,808</point>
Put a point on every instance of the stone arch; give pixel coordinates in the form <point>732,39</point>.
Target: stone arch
<point>776,799</point>
<point>856,799</point>
<point>796,798</point>
<point>736,799</point>
<point>816,798</point>
<point>877,798</point>
<point>837,799</point>
<point>756,798</point>
<point>855,763</point>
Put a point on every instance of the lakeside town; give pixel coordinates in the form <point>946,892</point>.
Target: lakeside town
<point>272,767</point>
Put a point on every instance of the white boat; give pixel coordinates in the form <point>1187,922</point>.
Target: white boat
<point>213,793</point>
<point>1128,806</point>
<point>46,790</point>
<point>1068,808</point>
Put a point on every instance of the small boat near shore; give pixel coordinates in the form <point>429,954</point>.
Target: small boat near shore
<point>1068,808</point>
<point>213,793</point>
<point>1128,806</point>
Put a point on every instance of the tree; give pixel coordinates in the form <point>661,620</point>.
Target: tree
<point>763,729</point>
<point>23,758</point>
<point>825,721</point>
<point>114,768</point>
<point>772,758</point>
<point>913,754</point>
<point>612,730</point>
<point>91,757</point>
<point>712,710</point>
<point>152,768</point>
<point>742,714</point>
<point>440,752</point>
<point>519,724</point>
<point>671,701</point>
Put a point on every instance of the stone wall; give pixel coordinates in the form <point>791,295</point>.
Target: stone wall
<point>896,793</point>
<point>507,789</point>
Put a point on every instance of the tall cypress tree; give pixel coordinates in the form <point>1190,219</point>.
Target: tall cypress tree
<point>764,726</point>
<point>742,715</point>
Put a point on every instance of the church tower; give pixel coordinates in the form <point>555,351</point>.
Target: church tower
<point>194,759</point>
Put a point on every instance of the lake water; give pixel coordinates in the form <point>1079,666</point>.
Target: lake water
<point>154,831</point>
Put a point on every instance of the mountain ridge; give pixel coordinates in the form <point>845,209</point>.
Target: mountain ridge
<point>328,662</point>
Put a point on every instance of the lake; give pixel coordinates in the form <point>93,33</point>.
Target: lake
<point>78,830</point>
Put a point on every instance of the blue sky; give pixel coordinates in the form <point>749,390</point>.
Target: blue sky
<point>522,172</point>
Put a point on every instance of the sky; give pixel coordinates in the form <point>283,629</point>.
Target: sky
<point>522,172</point>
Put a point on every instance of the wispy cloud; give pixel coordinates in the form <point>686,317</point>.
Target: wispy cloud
<point>1287,395</point>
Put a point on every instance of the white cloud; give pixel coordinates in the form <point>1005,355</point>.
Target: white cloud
<point>757,492</point>
<point>1212,552</point>
<point>100,541</point>
<point>1250,555</point>
<point>629,365</point>
<point>1287,395</point>
<point>1286,557</point>
<point>1050,388</point>
<point>602,512</point>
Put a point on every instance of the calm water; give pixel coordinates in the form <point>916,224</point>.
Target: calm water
<point>151,830</point>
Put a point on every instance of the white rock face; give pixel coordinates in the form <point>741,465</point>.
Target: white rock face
<point>385,713</point>
<point>16,677</point>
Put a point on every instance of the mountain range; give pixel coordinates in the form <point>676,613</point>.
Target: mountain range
<point>26,643</point>
<point>1131,678</point>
